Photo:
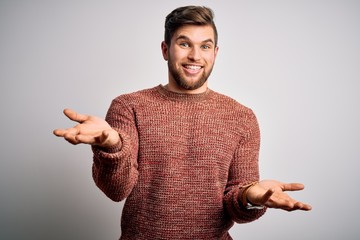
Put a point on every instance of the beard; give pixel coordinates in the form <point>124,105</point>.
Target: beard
<point>179,76</point>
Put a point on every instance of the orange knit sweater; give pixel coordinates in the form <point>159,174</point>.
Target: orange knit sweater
<point>180,164</point>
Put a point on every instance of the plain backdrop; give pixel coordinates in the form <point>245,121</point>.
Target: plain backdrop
<point>295,63</point>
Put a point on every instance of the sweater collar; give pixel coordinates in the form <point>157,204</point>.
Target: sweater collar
<point>183,96</point>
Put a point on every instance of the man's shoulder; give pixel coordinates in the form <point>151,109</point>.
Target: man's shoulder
<point>228,102</point>
<point>139,95</point>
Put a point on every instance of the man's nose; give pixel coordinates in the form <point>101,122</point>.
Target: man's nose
<point>194,54</point>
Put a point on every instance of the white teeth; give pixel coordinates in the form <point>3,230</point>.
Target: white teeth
<point>193,67</point>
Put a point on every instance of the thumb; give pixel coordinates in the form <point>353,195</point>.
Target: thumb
<point>109,138</point>
<point>74,116</point>
<point>264,198</point>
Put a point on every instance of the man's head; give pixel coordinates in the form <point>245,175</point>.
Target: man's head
<point>190,47</point>
<point>189,15</point>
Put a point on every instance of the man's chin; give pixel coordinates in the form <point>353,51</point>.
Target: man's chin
<point>190,85</point>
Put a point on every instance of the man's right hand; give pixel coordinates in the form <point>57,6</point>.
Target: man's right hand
<point>89,130</point>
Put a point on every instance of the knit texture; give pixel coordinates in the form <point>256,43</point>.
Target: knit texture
<point>180,164</point>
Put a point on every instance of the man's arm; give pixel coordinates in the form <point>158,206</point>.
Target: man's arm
<point>114,144</point>
<point>243,170</point>
<point>246,197</point>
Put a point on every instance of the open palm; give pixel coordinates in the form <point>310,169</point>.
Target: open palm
<point>272,194</point>
<point>89,130</point>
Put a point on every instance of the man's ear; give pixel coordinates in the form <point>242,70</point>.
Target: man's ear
<point>164,50</point>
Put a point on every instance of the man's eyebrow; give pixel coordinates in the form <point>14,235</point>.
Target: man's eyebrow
<point>183,37</point>
<point>208,41</point>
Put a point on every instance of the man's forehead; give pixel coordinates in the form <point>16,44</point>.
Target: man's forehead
<point>195,33</point>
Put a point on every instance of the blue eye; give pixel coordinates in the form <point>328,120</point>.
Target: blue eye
<point>206,47</point>
<point>184,44</point>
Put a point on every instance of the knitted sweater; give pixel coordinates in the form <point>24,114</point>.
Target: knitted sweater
<point>180,164</point>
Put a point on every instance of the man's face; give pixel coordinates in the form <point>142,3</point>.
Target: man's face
<point>191,57</point>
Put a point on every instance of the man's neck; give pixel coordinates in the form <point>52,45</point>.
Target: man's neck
<point>173,87</point>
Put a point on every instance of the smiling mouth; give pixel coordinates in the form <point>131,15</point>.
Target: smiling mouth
<point>192,67</point>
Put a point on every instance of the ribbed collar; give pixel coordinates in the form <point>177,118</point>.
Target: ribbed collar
<point>183,96</point>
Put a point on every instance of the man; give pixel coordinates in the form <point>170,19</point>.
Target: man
<point>184,157</point>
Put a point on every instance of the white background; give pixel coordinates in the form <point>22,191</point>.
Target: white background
<point>295,63</point>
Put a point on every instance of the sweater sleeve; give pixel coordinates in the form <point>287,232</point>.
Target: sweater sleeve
<point>115,170</point>
<point>244,169</point>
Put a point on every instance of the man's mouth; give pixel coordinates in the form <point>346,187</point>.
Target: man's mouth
<point>192,69</point>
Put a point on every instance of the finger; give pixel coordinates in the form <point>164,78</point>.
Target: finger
<point>59,132</point>
<point>86,139</point>
<point>302,206</point>
<point>281,203</point>
<point>70,135</point>
<point>292,187</point>
<point>266,196</point>
<point>71,138</point>
<point>297,206</point>
<point>307,207</point>
<point>63,132</point>
<point>74,116</point>
<point>105,139</point>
